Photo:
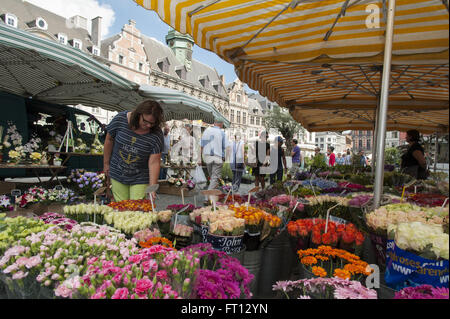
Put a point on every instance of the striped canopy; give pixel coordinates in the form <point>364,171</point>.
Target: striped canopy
<point>46,70</point>
<point>178,105</point>
<point>310,55</point>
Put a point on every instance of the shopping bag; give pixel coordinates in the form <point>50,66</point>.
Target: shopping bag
<point>199,176</point>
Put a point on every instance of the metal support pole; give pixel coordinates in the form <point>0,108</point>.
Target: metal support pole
<point>375,132</point>
<point>436,151</point>
<point>381,134</point>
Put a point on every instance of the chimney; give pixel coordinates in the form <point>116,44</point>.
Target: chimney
<point>222,79</point>
<point>132,23</point>
<point>96,32</point>
<point>78,22</point>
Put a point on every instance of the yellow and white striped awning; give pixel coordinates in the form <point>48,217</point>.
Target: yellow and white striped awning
<point>312,54</point>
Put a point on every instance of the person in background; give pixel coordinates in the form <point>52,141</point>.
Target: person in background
<point>280,160</point>
<point>237,161</point>
<point>213,151</point>
<point>165,152</point>
<point>413,161</point>
<point>296,158</point>
<point>187,143</point>
<point>348,158</point>
<point>331,156</point>
<point>132,151</point>
<point>260,145</point>
<point>340,160</point>
<point>363,159</point>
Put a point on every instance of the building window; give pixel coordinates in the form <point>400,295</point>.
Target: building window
<point>163,64</point>
<point>181,72</point>
<point>368,144</point>
<point>317,140</point>
<point>232,116</point>
<point>257,121</point>
<point>252,120</point>
<point>204,80</point>
<point>77,44</point>
<point>238,98</point>
<point>11,20</point>
<point>244,118</point>
<point>41,23</point>
<point>321,139</point>
<point>62,38</point>
<point>121,59</point>
<point>360,144</point>
<point>140,66</point>
<point>95,51</point>
<point>239,117</point>
<point>394,135</point>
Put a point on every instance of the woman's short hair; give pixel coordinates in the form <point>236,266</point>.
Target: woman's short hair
<point>414,135</point>
<point>147,107</point>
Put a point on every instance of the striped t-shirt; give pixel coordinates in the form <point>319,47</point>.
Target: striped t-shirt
<point>131,151</point>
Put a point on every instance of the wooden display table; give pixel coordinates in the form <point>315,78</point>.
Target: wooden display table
<point>36,168</point>
<point>166,188</point>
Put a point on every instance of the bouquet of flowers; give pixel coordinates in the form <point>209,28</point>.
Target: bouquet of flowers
<point>422,292</point>
<point>254,217</point>
<point>324,288</point>
<point>80,146</point>
<point>35,157</point>
<point>14,229</point>
<point>56,258</point>
<point>130,222</point>
<point>220,276</point>
<point>97,146</point>
<point>58,219</point>
<point>320,182</point>
<point>85,182</point>
<point>326,261</point>
<point>176,181</point>
<point>207,215</point>
<point>427,241</point>
<point>379,219</point>
<point>5,204</point>
<point>142,205</point>
<point>146,234</point>
<point>230,226</point>
<point>311,233</point>
<point>164,218</point>
<point>182,230</point>
<point>32,195</point>
<point>87,212</point>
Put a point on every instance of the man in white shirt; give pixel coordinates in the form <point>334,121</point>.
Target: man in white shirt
<point>213,151</point>
<point>165,152</point>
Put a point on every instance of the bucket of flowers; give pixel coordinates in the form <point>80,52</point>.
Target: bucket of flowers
<point>227,234</point>
<point>181,235</point>
<point>254,222</point>
<point>86,183</point>
<point>326,261</point>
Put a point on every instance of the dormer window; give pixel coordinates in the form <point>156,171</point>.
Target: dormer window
<point>181,71</point>
<point>141,66</point>
<point>41,23</point>
<point>204,80</point>
<point>77,44</point>
<point>121,59</point>
<point>95,51</point>
<point>62,38</point>
<point>163,64</point>
<point>215,86</point>
<point>11,20</point>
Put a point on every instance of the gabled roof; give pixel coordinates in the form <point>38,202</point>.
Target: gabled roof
<point>27,12</point>
<point>156,51</point>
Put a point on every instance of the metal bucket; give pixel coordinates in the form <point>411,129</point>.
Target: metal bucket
<point>239,255</point>
<point>252,261</point>
<point>276,264</point>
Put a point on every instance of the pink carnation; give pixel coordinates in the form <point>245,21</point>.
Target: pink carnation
<point>143,285</point>
<point>63,291</point>
<point>121,293</point>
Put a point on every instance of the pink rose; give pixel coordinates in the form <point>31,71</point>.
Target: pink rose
<point>19,275</point>
<point>99,295</point>
<point>143,285</point>
<point>121,293</point>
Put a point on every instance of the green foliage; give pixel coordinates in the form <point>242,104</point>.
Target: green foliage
<point>284,123</point>
<point>392,156</point>
<point>396,179</point>
<point>319,162</point>
<point>363,179</point>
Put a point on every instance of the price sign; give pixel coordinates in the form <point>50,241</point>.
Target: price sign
<point>212,192</point>
<point>16,192</point>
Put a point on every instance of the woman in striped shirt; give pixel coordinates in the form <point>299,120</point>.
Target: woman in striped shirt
<point>132,150</point>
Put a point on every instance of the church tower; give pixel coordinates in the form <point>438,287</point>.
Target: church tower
<point>181,45</point>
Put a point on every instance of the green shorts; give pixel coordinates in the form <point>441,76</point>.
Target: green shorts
<point>124,192</point>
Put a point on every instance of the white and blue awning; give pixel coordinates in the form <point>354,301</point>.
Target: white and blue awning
<point>178,105</point>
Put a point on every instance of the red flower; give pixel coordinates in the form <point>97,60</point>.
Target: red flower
<point>316,237</point>
<point>359,239</point>
<point>328,238</point>
<point>348,237</point>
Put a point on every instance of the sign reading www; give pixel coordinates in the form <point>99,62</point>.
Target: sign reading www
<point>405,269</point>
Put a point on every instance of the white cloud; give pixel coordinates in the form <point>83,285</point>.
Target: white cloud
<point>85,8</point>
